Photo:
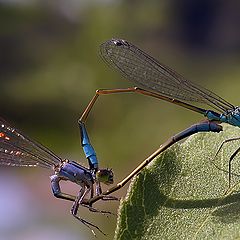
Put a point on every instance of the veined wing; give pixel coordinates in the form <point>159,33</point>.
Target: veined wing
<point>147,73</point>
<point>16,149</point>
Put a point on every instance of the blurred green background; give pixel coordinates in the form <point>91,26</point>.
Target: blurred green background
<point>50,69</point>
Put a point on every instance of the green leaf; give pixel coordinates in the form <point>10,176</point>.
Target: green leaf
<point>182,194</point>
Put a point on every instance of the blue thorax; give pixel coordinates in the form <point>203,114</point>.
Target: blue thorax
<point>76,173</point>
<point>231,117</point>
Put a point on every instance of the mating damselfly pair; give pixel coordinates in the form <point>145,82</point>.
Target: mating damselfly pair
<point>150,78</point>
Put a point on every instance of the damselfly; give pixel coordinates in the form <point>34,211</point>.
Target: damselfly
<point>16,149</point>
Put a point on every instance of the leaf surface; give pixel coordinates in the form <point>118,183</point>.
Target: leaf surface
<point>182,193</point>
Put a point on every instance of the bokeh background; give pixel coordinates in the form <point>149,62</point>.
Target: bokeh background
<point>50,69</point>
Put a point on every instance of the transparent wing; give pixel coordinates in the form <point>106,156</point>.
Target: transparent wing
<point>147,73</point>
<point>17,149</point>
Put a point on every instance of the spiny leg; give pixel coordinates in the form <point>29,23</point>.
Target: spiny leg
<point>84,203</point>
<point>224,142</point>
<point>81,202</point>
<point>230,166</point>
<point>92,209</point>
<point>105,198</point>
<point>230,160</point>
<point>74,210</point>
